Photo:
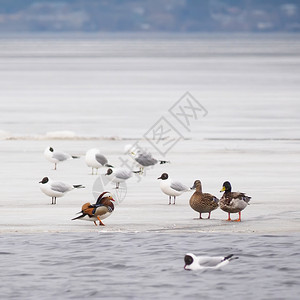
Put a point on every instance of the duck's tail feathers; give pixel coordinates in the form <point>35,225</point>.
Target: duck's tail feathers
<point>79,217</point>
<point>78,186</point>
<point>247,199</point>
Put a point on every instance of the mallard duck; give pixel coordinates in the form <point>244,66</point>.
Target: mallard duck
<point>171,188</point>
<point>233,202</point>
<point>203,202</point>
<point>102,209</point>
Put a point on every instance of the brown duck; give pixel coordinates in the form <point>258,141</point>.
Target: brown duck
<point>102,209</point>
<point>203,202</point>
<point>233,202</point>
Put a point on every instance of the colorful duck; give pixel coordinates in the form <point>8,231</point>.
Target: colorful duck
<point>102,209</point>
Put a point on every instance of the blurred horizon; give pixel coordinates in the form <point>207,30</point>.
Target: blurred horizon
<point>174,16</point>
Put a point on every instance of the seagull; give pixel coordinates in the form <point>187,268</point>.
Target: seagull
<point>96,160</point>
<point>145,159</point>
<point>57,156</point>
<point>192,262</point>
<point>56,189</point>
<point>171,188</point>
<point>119,175</point>
<point>102,209</point>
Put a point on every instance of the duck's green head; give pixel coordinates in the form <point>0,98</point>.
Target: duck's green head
<point>226,187</point>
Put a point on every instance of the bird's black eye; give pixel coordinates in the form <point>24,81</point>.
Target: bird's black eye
<point>51,149</point>
<point>188,260</point>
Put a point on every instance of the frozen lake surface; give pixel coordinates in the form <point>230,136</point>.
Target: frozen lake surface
<point>103,86</point>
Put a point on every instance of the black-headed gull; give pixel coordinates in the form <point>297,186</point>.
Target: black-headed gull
<point>119,175</point>
<point>193,262</point>
<point>57,156</point>
<point>171,188</point>
<point>145,159</point>
<point>102,209</point>
<point>56,189</point>
<point>96,160</point>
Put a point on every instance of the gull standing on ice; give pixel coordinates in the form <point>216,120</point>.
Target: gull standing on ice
<point>102,209</point>
<point>57,156</point>
<point>193,262</point>
<point>119,175</point>
<point>96,160</point>
<point>145,159</point>
<point>171,188</point>
<point>56,189</point>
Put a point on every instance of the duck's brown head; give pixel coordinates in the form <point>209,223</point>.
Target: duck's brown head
<point>197,185</point>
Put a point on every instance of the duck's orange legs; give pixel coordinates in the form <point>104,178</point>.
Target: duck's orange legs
<point>100,222</point>
<point>239,219</point>
<point>229,219</point>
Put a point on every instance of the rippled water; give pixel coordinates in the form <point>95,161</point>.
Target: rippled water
<point>146,266</point>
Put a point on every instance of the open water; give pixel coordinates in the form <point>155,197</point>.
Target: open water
<point>147,266</point>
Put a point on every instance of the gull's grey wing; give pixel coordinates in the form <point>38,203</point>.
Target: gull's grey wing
<point>210,261</point>
<point>101,159</point>
<point>61,187</point>
<point>61,156</point>
<point>145,159</point>
<point>178,186</point>
<point>123,174</point>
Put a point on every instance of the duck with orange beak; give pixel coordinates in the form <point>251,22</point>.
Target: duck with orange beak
<point>102,209</point>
